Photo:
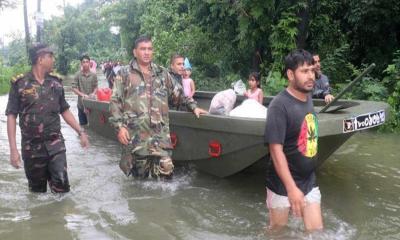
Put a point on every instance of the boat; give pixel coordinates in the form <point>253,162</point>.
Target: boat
<point>225,145</point>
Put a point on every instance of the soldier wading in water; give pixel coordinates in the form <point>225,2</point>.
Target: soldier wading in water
<point>139,113</point>
<point>37,97</point>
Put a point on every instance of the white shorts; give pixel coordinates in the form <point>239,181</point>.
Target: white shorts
<point>278,201</point>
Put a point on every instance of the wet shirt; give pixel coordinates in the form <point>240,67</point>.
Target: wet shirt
<point>140,103</point>
<point>38,107</point>
<point>293,124</point>
<point>321,87</point>
<point>86,83</point>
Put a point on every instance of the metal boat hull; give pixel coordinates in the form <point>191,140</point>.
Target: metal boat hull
<point>241,139</point>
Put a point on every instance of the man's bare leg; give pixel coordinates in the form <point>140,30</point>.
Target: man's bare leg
<point>278,218</point>
<point>312,217</point>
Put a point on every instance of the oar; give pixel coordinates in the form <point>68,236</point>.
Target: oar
<point>348,87</point>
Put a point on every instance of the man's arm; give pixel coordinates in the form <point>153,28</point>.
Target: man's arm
<point>295,195</point>
<point>326,90</point>
<point>116,111</point>
<point>79,93</point>
<point>177,95</point>
<point>75,87</point>
<point>70,120</point>
<point>15,158</point>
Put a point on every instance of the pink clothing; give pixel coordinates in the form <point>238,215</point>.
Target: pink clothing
<point>93,66</point>
<point>187,89</point>
<point>254,95</point>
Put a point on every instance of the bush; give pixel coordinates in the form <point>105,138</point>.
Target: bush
<point>7,73</point>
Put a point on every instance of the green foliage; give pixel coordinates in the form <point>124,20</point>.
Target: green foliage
<point>274,83</point>
<point>7,73</point>
<point>283,38</point>
<point>15,53</point>
<point>337,66</point>
<point>392,81</point>
<point>372,27</point>
<point>369,89</point>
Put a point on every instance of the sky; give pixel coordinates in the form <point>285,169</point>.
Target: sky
<point>12,20</point>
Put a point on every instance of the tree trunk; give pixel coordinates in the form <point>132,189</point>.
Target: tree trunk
<point>38,24</point>
<point>27,36</point>
<point>302,27</point>
<point>257,59</point>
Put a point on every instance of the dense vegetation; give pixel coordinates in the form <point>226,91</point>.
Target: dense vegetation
<point>226,39</point>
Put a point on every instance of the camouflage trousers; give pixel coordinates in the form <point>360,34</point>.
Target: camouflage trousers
<point>146,167</point>
<point>51,169</point>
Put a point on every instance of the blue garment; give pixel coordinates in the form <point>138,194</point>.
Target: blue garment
<point>187,64</point>
<point>321,88</point>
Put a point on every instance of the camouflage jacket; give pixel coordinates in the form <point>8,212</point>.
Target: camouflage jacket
<point>140,103</point>
<point>178,79</point>
<point>38,107</point>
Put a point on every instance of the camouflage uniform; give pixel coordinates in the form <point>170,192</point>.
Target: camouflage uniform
<point>42,144</point>
<point>178,79</point>
<point>140,104</point>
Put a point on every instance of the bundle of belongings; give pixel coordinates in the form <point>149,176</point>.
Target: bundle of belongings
<point>249,108</point>
<point>224,101</point>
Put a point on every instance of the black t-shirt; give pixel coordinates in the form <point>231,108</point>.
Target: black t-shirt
<point>293,124</point>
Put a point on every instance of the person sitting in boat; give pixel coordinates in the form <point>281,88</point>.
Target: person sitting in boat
<point>255,92</point>
<point>322,89</point>
<point>291,133</point>
<point>139,113</point>
<point>188,85</point>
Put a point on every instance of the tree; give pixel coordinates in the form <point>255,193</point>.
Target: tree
<point>27,36</point>
<point>39,22</point>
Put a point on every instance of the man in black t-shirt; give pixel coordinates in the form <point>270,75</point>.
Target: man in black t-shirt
<point>292,135</point>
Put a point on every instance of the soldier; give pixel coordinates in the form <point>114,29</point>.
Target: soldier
<point>84,85</point>
<point>139,113</point>
<point>37,97</point>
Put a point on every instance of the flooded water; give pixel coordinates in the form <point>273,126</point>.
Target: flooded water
<point>360,187</point>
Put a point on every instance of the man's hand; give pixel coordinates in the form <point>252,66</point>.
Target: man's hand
<point>15,159</point>
<point>199,111</point>
<point>329,98</point>
<point>297,202</point>
<point>123,136</point>
<point>84,140</point>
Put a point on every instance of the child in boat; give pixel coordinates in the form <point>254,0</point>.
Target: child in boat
<point>187,82</point>
<point>255,92</point>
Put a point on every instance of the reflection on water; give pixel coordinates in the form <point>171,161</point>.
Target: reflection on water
<point>359,183</point>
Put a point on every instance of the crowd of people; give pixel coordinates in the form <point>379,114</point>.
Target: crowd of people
<point>143,92</point>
